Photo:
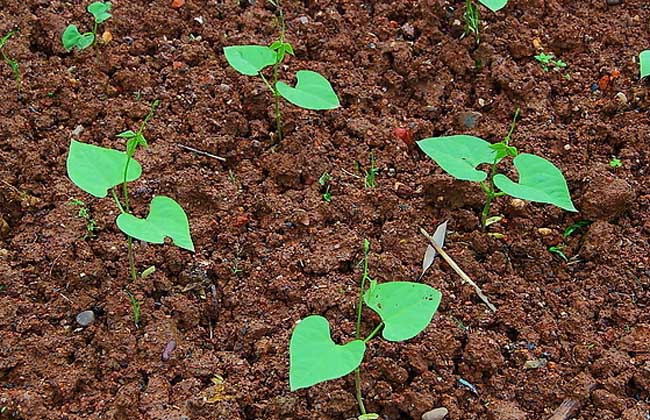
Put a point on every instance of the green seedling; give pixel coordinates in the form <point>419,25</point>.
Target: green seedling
<point>148,271</point>
<point>548,62</point>
<point>13,64</point>
<point>370,175</point>
<point>559,251</point>
<point>2,287</point>
<point>312,91</point>
<point>539,179</point>
<point>473,18</point>
<point>570,230</point>
<point>72,38</point>
<point>96,170</point>
<point>405,309</point>
<point>324,182</point>
<point>644,63</point>
<point>84,213</point>
<point>615,163</point>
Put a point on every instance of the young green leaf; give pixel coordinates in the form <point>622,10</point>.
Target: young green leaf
<point>494,5</point>
<point>249,59</point>
<point>166,219</point>
<point>406,308</point>
<point>73,38</point>
<point>459,155</point>
<point>315,358</point>
<point>100,11</point>
<point>312,91</point>
<point>96,169</point>
<point>539,180</point>
<point>644,63</point>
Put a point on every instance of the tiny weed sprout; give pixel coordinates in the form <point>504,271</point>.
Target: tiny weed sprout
<point>559,251</point>
<point>72,38</point>
<point>405,309</point>
<point>13,64</point>
<point>312,91</point>
<point>644,63</point>
<point>615,163</point>
<point>135,307</point>
<point>570,230</point>
<point>548,62</point>
<point>370,175</point>
<point>96,170</point>
<point>472,15</point>
<point>539,179</point>
<point>324,182</point>
<point>84,213</point>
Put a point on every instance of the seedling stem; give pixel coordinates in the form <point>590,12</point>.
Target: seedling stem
<point>10,62</point>
<point>472,20</point>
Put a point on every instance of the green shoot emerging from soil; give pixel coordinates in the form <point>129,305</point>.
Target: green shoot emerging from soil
<point>15,68</point>
<point>370,178</point>
<point>539,179</point>
<point>548,62</point>
<point>324,182</point>
<point>72,38</point>
<point>135,307</point>
<point>84,213</point>
<point>615,163</point>
<point>405,309</point>
<point>96,170</point>
<point>312,91</point>
<point>472,15</point>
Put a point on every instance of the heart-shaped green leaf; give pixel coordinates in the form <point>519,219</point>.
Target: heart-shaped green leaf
<point>644,63</point>
<point>249,59</point>
<point>96,169</point>
<point>100,11</point>
<point>313,356</point>
<point>459,155</point>
<point>73,38</point>
<point>539,180</point>
<point>166,219</point>
<point>494,5</point>
<point>312,91</point>
<point>405,307</point>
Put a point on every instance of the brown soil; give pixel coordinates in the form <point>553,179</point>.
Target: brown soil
<point>393,64</point>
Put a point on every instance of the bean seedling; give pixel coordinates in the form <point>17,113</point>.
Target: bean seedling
<point>324,182</point>
<point>15,68</point>
<point>72,38</point>
<point>539,179</point>
<point>96,170</point>
<point>472,15</point>
<point>312,91</point>
<point>405,309</point>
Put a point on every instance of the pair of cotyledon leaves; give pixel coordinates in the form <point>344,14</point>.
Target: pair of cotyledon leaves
<point>97,169</point>
<point>405,308</point>
<point>539,179</point>
<point>72,38</point>
<point>312,91</point>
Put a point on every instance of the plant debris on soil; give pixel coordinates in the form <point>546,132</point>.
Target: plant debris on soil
<point>270,250</point>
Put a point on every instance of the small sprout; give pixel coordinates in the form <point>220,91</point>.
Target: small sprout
<point>472,16</point>
<point>312,90</point>
<point>405,309</point>
<point>84,213</point>
<point>72,38</point>
<point>149,271</point>
<point>548,62</point>
<point>644,63</point>
<point>370,175</point>
<point>575,227</point>
<point>13,64</point>
<point>615,163</point>
<point>324,182</point>
<point>368,416</point>
<point>558,250</point>
<point>539,180</point>
<point>2,287</point>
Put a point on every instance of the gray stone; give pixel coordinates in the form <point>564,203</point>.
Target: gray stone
<point>435,414</point>
<point>85,318</point>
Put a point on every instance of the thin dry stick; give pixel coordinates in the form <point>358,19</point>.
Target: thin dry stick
<point>569,407</point>
<point>458,271</point>
<point>201,152</point>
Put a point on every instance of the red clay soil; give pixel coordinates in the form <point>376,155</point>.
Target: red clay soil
<point>270,250</point>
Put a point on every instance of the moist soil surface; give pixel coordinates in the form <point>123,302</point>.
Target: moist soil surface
<point>270,250</point>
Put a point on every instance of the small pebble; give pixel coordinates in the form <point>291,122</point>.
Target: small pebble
<point>469,119</point>
<point>303,19</point>
<point>77,131</point>
<point>435,414</point>
<point>620,96</point>
<point>85,318</point>
<point>613,2</point>
<point>517,203</point>
<point>544,231</point>
<point>167,352</point>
